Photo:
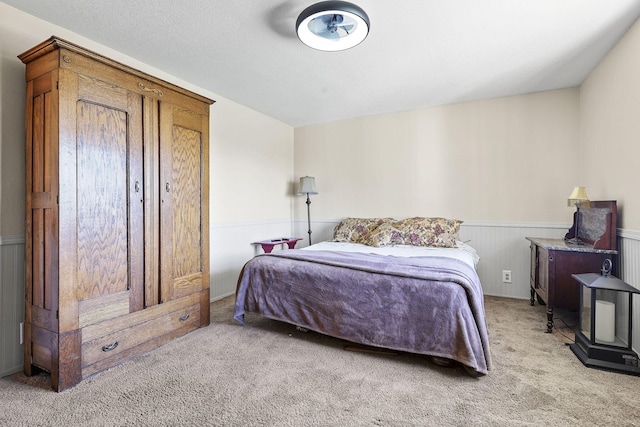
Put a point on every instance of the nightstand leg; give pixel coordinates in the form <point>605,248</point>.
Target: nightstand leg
<point>549,319</point>
<point>533,295</point>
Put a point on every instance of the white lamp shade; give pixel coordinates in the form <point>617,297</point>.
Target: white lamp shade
<point>577,196</point>
<point>307,185</point>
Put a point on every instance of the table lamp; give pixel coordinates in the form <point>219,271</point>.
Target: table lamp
<point>577,198</point>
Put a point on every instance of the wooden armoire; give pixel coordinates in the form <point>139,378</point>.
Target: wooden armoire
<point>117,212</point>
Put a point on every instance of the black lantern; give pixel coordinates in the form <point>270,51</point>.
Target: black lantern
<point>606,311</point>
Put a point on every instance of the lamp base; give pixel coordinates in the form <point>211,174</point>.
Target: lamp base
<point>604,357</point>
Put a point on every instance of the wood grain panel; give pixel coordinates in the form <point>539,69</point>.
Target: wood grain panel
<point>111,345</point>
<point>47,63</point>
<point>83,61</point>
<point>96,310</point>
<point>41,345</point>
<point>187,184</point>
<point>151,202</point>
<point>97,91</point>
<point>37,258</point>
<point>67,163</point>
<point>136,193</point>
<point>41,355</point>
<point>102,200</point>
<point>205,232</point>
<point>37,145</point>
<point>111,326</point>
<point>36,172</point>
<point>130,352</point>
<point>69,350</point>
<point>43,318</point>
<point>181,149</point>
<point>41,226</point>
<point>187,284</point>
<point>28,226</point>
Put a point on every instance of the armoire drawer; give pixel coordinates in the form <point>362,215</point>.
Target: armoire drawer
<point>113,348</point>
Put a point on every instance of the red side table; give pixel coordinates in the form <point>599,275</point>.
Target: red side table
<point>267,245</point>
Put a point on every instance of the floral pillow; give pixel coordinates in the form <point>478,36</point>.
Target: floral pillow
<point>383,235</point>
<point>436,232</point>
<point>352,229</point>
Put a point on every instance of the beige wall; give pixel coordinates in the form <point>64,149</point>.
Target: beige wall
<point>251,154</point>
<point>610,129</point>
<point>506,160</point>
<point>251,165</point>
<point>502,160</point>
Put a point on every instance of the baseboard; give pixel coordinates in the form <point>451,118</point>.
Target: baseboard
<point>17,239</point>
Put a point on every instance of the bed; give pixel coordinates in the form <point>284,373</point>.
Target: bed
<point>399,285</point>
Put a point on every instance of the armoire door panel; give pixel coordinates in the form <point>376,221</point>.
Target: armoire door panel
<point>102,224</point>
<point>181,210</point>
<point>186,181</point>
<point>110,192</point>
<point>41,203</point>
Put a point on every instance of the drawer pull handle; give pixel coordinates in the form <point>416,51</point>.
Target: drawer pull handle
<point>110,347</point>
<point>183,318</point>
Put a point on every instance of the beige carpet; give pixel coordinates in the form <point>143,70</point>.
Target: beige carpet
<point>269,374</point>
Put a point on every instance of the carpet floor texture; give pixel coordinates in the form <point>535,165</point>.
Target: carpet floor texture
<point>268,373</point>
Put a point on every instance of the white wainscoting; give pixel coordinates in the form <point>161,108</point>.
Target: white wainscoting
<point>11,303</point>
<point>500,246</point>
<point>629,271</point>
<point>231,247</point>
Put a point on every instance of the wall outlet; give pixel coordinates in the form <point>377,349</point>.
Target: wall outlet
<point>506,276</point>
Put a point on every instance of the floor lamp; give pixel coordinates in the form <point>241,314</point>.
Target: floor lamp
<point>308,187</point>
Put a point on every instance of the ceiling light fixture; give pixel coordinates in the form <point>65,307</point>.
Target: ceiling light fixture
<point>332,25</point>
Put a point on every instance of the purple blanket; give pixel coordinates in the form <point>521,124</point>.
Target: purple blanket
<point>425,305</point>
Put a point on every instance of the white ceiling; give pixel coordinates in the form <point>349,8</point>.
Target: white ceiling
<point>419,53</point>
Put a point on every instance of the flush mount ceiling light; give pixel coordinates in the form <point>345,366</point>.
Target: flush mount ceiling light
<point>332,25</point>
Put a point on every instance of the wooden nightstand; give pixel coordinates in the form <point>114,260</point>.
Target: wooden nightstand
<point>267,245</point>
<point>553,261</point>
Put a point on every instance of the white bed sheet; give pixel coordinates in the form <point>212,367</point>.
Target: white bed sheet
<point>463,252</point>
